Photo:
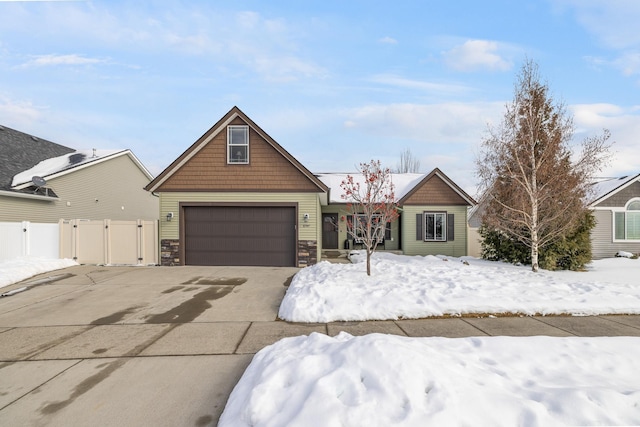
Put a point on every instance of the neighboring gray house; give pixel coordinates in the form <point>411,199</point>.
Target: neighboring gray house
<point>616,207</point>
<point>70,184</point>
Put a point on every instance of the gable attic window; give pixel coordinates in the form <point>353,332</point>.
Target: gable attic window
<point>238,144</point>
<point>627,223</point>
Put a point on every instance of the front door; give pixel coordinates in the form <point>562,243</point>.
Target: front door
<point>330,231</point>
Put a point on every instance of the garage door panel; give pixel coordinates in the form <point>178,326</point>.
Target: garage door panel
<point>231,235</point>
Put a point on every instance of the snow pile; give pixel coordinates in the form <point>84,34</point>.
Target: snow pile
<point>18,269</point>
<point>415,287</point>
<point>385,380</point>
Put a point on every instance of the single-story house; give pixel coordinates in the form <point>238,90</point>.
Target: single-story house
<point>432,221</point>
<point>616,207</point>
<point>236,197</point>
<point>41,181</point>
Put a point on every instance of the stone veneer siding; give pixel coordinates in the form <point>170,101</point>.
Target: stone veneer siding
<point>169,252</point>
<point>307,252</point>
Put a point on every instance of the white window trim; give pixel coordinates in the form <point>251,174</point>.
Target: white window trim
<point>613,222</point>
<point>444,225</point>
<point>229,145</point>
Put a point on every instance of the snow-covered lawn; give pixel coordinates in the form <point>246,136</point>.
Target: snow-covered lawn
<point>384,380</point>
<point>16,270</point>
<point>416,287</point>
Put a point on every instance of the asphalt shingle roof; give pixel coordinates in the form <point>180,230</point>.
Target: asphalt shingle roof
<point>20,151</point>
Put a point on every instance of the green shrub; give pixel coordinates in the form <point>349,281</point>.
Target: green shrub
<point>571,252</point>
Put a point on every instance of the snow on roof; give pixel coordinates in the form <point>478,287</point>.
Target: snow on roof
<point>403,183</point>
<point>58,164</point>
<point>607,185</point>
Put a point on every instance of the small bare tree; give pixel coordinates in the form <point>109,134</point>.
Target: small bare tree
<point>371,202</point>
<point>536,185</point>
<point>408,163</point>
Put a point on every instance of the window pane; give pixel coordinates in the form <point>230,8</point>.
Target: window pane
<point>439,227</point>
<point>619,225</point>
<point>634,206</point>
<point>238,154</point>
<point>633,225</point>
<point>238,135</point>
<point>430,226</point>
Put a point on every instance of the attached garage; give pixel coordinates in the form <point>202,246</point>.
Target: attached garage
<point>240,235</point>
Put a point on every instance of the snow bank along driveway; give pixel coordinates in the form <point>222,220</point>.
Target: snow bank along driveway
<point>385,380</point>
<point>415,287</point>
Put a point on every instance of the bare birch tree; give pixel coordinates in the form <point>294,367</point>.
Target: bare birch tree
<point>408,163</point>
<point>536,185</point>
<point>371,204</point>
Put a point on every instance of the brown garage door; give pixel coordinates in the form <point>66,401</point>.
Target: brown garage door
<point>233,235</point>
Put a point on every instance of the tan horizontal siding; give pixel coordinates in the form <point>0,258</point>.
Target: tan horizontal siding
<point>116,184</point>
<point>307,203</point>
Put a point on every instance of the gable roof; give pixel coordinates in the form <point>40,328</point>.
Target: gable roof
<point>20,151</point>
<point>23,156</point>
<point>446,180</point>
<point>202,142</point>
<point>608,187</point>
<point>405,185</point>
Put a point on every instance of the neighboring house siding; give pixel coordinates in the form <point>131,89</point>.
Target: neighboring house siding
<point>307,203</point>
<point>602,244</point>
<point>620,198</point>
<point>115,183</point>
<point>412,246</point>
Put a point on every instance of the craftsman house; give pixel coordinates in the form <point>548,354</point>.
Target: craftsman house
<point>236,197</point>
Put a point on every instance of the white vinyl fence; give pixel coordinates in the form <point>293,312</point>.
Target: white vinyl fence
<point>85,241</point>
<point>25,238</point>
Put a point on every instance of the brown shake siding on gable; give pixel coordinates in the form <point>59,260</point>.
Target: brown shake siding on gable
<point>435,192</point>
<point>268,170</point>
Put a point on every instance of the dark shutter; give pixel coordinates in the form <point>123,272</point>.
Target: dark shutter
<point>450,228</point>
<point>387,231</point>
<point>419,233</point>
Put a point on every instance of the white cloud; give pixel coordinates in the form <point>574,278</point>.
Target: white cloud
<point>624,124</point>
<point>388,40</point>
<point>614,23</point>
<point>18,113</point>
<point>52,60</point>
<point>475,55</point>
<point>394,80</point>
<point>452,122</point>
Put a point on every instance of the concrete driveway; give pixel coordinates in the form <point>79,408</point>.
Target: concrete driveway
<point>164,346</point>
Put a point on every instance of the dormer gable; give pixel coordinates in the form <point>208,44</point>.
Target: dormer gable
<point>236,155</point>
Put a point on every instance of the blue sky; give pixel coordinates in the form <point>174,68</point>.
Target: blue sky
<point>336,83</point>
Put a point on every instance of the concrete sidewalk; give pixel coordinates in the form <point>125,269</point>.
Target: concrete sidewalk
<point>137,346</point>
